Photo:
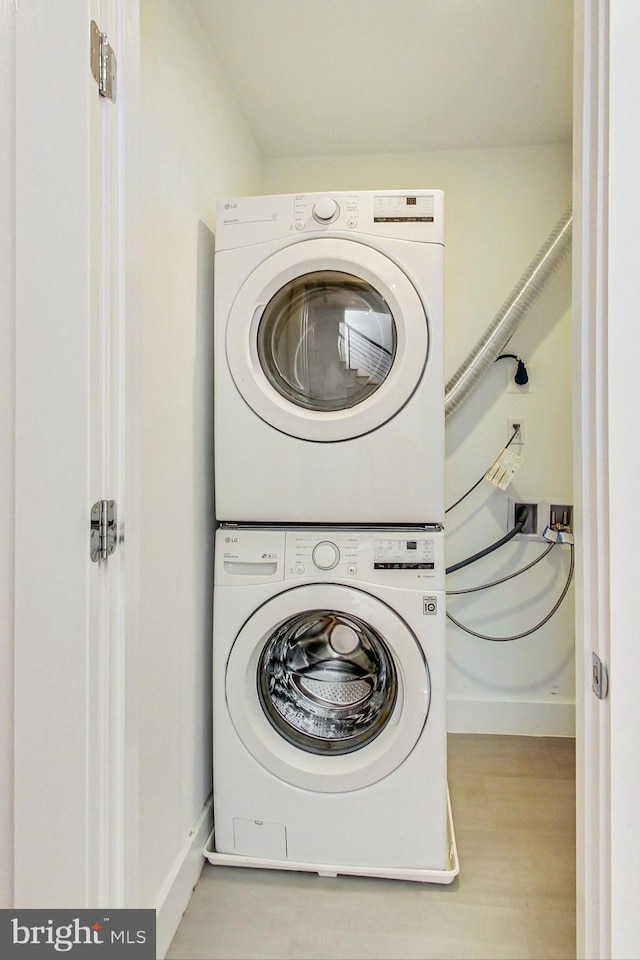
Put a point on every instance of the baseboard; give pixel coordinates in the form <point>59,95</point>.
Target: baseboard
<point>179,885</point>
<point>514,717</point>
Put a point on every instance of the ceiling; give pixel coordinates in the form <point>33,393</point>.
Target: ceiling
<point>338,77</point>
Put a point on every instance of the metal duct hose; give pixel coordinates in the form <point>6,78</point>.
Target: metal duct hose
<point>508,319</point>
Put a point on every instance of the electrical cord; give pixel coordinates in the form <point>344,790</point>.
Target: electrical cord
<point>479,481</point>
<point>521,376</point>
<point>525,633</point>
<point>520,522</point>
<point>510,576</point>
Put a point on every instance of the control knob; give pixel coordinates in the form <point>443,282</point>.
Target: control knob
<point>326,555</point>
<point>325,210</point>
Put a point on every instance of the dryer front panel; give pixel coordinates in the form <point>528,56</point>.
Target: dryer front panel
<point>327,687</point>
<point>327,339</point>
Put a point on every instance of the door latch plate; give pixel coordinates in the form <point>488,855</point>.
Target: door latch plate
<point>600,678</point>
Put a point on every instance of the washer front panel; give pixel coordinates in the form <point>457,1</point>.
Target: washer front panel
<point>385,658</point>
<point>336,357</point>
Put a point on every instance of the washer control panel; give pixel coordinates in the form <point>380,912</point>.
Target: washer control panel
<point>404,557</point>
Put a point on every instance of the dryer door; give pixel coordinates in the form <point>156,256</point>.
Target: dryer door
<point>327,339</point>
<point>327,687</point>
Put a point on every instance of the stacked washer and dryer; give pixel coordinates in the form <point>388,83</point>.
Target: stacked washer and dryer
<point>329,699</point>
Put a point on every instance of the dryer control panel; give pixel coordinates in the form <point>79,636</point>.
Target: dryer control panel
<point>400,214</point>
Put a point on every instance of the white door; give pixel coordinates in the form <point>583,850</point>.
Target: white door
<point>326,339</point>
<point>72,732</point>
<point>327,687</point>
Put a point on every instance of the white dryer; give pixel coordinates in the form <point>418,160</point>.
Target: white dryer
<point>329,390</point>
<point>329,731</point>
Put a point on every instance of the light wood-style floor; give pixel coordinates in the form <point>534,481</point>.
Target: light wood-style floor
<point>513,804</point>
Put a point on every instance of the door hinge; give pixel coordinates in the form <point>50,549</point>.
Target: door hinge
<point>103,63</point>
<point>104,529</point>
<point>600,683</point>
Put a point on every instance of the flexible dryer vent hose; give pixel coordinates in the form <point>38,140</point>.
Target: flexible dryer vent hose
<point>512,312</point>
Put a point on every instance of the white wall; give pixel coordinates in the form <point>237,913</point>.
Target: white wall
<point>195,147</point>
<point>7,408</point>
<point>500,206</point>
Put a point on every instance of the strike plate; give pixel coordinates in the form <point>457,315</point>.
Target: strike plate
<point>600,678</point>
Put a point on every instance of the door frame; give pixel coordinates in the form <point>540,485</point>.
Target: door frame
<point>590,481</point>
<point>623,346</point>
<point>607,342</point>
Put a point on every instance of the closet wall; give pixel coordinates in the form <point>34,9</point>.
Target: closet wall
<point>195,147</point>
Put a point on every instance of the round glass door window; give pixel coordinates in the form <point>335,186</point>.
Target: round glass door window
<point>326,682</point>
<point>326,340</point>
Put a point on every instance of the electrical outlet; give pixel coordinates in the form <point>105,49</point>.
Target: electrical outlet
<point>512,423</point>
<point>530,529</point>
<point>561,516</point>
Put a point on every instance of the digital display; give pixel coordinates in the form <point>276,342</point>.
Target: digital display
<point>404,555</point>
<point>398,209</point>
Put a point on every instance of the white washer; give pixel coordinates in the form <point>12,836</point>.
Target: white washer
<point>329,730</point>
<point>329,388</point>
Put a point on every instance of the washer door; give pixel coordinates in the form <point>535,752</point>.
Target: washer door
<point>327,687</point>
<point>327,340</point>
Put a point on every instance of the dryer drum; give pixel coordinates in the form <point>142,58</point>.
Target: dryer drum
<point>326,340</point>
<point>326,681</point>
